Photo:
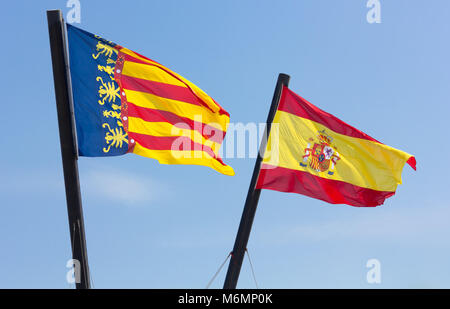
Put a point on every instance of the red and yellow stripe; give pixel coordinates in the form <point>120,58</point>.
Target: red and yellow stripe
<point>168,118</point>
<point>366,173</point>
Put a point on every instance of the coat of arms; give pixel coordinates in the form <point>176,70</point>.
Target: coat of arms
<point>322,156</point>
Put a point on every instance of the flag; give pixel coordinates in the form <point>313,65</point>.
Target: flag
<point>318,155</point>
<point>127,103</point>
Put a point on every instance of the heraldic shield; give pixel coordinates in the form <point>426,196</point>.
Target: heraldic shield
<point>322,157</point>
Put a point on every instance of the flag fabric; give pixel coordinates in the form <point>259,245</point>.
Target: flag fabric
<point>127,103</point>
<point>315,154</point>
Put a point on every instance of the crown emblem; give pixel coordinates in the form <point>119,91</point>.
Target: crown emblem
<point>324,138</point>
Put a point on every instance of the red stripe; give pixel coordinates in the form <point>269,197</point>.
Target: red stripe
<point>134,59</point>
<point>294,104</point>
<point>167,91</point>
<point>412,162</point>
<point>155,115</point>
<point>170,143</point>
<point>328,190</point>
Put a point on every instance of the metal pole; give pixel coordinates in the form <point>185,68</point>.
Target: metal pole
<point>67,136</point>
<point>251,202</point>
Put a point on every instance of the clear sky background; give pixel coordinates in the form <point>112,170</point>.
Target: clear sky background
<point>160,226</point>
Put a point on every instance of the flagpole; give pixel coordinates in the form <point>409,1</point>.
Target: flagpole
<point>67,138</point>
<point>253,194</point>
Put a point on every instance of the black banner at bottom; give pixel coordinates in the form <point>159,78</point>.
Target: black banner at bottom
<point>214,298</point>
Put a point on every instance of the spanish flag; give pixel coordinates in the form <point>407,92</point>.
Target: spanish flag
<point>313,153</point>
<point>127,103</point>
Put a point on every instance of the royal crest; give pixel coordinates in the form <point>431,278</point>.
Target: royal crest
<point>323,156</point>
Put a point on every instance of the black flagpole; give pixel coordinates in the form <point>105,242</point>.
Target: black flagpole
<point>253,195</point>
<point>67,136</point>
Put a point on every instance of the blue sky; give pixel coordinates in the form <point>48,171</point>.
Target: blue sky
<point>159,226</point>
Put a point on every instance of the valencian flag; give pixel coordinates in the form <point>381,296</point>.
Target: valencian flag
<point>320,156</point>
<point>127,103</point>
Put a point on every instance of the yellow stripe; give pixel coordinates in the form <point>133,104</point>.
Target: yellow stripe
<point>137,125</point>
<point>199,92</point>
<point>133,54</point>
<point>183,157</point>
<point>183,109</point>
<point>149,72</point>
<point>362,162</point>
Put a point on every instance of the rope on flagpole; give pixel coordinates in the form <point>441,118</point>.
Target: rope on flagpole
<point>218,271</point>
<point>91,280</point>
<point>251,266</point>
